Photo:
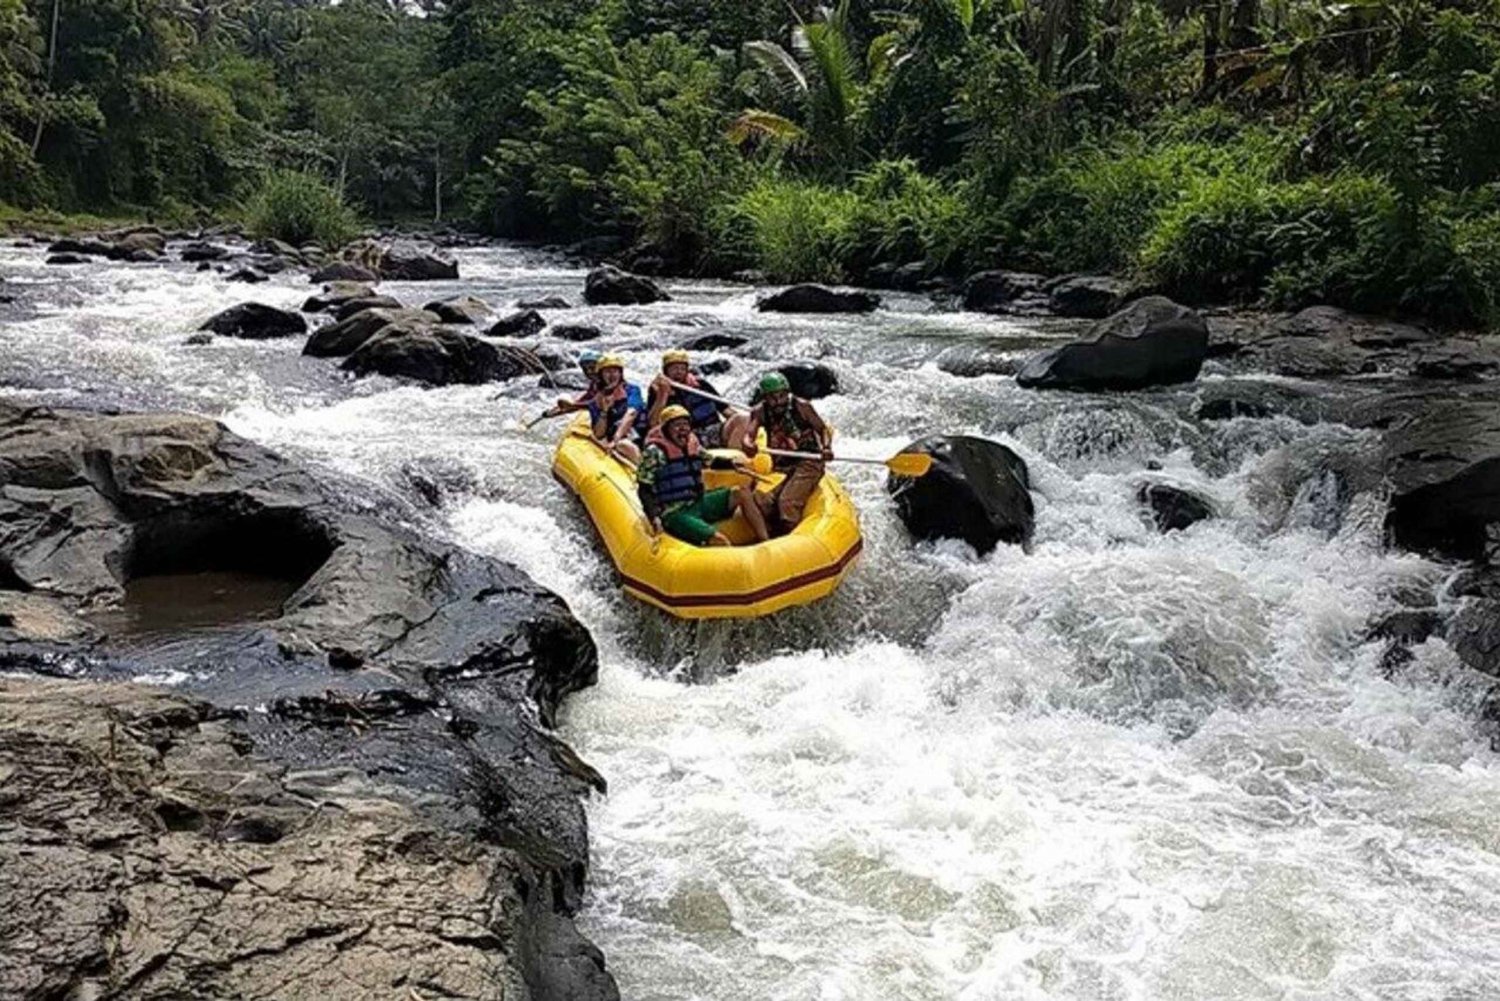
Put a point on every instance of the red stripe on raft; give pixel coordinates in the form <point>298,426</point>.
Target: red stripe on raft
<point>769,591</point>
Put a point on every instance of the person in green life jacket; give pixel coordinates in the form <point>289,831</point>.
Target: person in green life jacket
<point>707,415</point>
<point>614,408</point>
<point>588,364</point>
<point>669,481</point>
<point>791,424</point>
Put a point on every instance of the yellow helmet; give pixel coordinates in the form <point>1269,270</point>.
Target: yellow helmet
<point>611,360</point>
<point>672,413</point>
<point>674,356</point>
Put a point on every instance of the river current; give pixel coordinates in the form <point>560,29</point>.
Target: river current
<point>1121,766</point>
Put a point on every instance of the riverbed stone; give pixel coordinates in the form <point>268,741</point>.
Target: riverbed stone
<point>810,380</point>
<point>576,331</point>
<point>336,340</point>
<point>818,299</point>
<point>344,271</point>
<point>335,294</point>
<point>998,291</point>
<point>609,286</point>
<point>438,356</point>
<point>459,309</point>
<point>349,307</point>
<point>978,490</point>
<point>1151,342</point>
<point>1090,297</point>
<point>1173,508</point>
<point>544,302</point>
<point>390,813</point>
<point>522,323</point>
<point>255,321</point>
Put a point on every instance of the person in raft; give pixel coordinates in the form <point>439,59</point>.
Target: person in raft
<point>707,415</point>
<point>791,424</point>
<point>614,408</point>
<point>669,481</point>
<point>588,364</point>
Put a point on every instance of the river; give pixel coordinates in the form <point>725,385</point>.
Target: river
<point>1121,766</point>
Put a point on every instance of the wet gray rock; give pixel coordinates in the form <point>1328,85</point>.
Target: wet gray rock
<point>1090,297</point>
<point>393,813</point>
<point>81,246</point>
<point>459,309</point>
<point>67,258</point>
<point>609,286</point>
<point>337,340</point>
<point>576,331</point>
<point>202,251</point>
<point>438,356</point>
<point>249,276</point>
<point>818,299</point>
<point>1228,399</point>
<point>344,271</point>
<point>1441,456</point>
<point>335,294</point>
<point>1473,632</point>
<point>1457,360</point>
<point>272,247</point>
<point>1151,342</point>
<point>809,379</point>
<point>1325,341</point>
<point>716,341</point>
<point>1173,508</point>
<point>972,362</point>
<point>255,321</point>
<point>524,323</point>
<point>998,291</point>
<point>978,491</point>
<point>545,302</point>
<point>349,307</point>
<point>404,260</point>
<point>199,339</point>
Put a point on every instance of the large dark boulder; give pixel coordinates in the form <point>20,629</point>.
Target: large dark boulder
<point>335,294</point>
<point>1473,632</point>
<point>545,302</point>
<point>409,261</point>
<point>1091,297</point>
<point>818,299</point>
<point>200,250</point>
<point>1441,455</point>
<point>344,271</point>
<point>247,275</point>
<point>255,321</point>
<point>391,720</point>
<point>1173,508</point>
<point>460,309</point>
<point>716,341</point>
<point>523,323</point>
<point>68,258</point>
<point>576,331</point>
<point>609,286</point>
<point>998,291</point>
<point>978,491</point>
<point>1151,342</point>
<point>1326,341</point>
<point>337,340</point>
<point>809,379</point>
<point>438,356</point>
<point>349,307</point>
<point>85,246</point>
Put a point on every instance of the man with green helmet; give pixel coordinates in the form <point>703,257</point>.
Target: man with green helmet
<point>792,425</point>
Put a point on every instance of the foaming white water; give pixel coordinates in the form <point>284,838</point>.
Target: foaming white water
<point>1124,765</point>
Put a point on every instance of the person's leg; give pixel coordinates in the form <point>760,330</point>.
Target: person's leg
<point>686,524</point>
<point>744,501</point>
<point>629,452</point>
<point>795,491</point>
<point>765,503</point>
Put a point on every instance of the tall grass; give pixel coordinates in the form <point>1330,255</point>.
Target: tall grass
<point>300,208</point>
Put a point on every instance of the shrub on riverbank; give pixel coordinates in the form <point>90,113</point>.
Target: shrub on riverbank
<point>300,208</point>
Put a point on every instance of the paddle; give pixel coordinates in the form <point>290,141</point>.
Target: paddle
<point>902,464</point>
<point>546,416</point>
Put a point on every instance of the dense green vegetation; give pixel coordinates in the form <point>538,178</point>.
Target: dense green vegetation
<point>1278,151</point>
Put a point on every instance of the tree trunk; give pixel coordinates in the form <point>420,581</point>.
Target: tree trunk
<point>41,112</point>
<point>437,183</point>
<point>1210,51</point>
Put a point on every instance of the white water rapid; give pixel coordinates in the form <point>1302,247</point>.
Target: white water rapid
<point>1122,766</point>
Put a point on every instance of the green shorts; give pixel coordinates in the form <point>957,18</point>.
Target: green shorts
<point>695,522</point>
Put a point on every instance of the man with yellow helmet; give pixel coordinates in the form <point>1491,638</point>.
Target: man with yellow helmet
<point>706,415</point>
<point>669,481</point>
<point>615,407</point>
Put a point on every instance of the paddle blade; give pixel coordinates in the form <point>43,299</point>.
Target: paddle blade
<point>909,464</point>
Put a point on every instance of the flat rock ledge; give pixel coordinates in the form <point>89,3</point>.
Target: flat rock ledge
<point>359,798</point>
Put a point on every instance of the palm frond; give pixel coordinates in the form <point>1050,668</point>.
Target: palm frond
<point>778,64</point>
<point>753,123</point>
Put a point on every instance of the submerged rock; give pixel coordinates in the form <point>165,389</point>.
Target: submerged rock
<point>576,331</point>
<point>249,276</point>
<point>1173,508</point>
<point>525,323</point>
<point>400,699</point>
<point>818,299</point>
<point>342,338</point>
<point>1151,342</point>
<point>67,258</point>
<point>438,356</point>
<point>978,491</point>
<point>609,286</point>
<point>255,321</point>
<point>546,302</point>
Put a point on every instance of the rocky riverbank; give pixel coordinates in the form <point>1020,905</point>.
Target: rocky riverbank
<point>357,795</point>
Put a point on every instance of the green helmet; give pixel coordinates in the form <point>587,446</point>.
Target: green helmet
<point>774,382</point>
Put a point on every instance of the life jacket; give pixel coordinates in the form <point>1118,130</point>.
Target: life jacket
<point>624,397</point>
<point>680,478</point>
<point>786,429</point>
<point>701,410</point>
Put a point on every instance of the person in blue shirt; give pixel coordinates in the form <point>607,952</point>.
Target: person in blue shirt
<point>615,408</point>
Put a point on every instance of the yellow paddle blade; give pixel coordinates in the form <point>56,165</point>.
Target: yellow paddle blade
<point>909,464</point>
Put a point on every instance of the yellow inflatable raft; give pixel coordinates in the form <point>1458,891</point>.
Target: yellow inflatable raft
<point>725,582</point>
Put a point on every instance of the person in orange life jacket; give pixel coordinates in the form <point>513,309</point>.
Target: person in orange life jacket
<point>706,415</point>
<point>792,424</point>
<point>614,409</point>
<point>588,364</point>
<point>669,481</point>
